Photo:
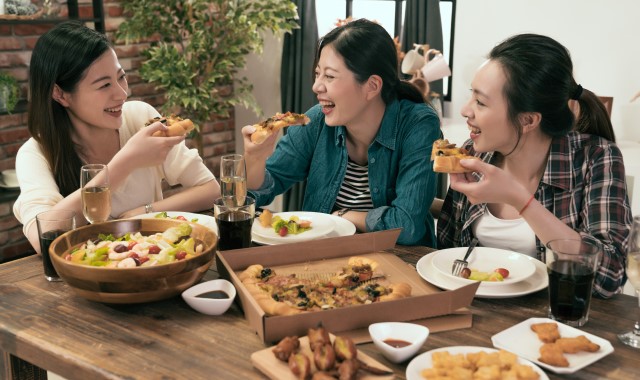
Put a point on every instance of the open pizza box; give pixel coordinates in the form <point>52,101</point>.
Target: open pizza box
<point>428,305</point>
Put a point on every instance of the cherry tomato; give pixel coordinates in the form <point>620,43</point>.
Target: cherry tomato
<point>181,255</point>
<point>131,245</point>
<point>503,272</point>
<point>283,231</point>
<point>154,250</point>
<point>466,272</point>
<point>180,217</point>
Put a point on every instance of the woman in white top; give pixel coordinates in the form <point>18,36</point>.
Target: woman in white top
<point>78,115</point>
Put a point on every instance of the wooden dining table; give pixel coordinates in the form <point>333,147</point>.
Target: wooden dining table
<point>45,325</point>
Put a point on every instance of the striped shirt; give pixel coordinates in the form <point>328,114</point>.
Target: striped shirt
<point>584,186</point>
<point>354,192</point>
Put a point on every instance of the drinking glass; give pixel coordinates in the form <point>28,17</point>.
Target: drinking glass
<point>233,180</point>
<point>96,195</point>
<point>234,223</point>
<point>632,338</point>
<point>52,224</point>
<point>571,266</point>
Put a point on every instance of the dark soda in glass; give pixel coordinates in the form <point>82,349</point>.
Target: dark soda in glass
<point>570,286</point>
<point>45,241</point>
<point>235,230</point>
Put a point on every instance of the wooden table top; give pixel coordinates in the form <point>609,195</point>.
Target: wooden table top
<point>49,326</point>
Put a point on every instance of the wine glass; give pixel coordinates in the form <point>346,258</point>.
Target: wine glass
<point>96,194</point>
<point>233,180</point>
<point>632,338</point>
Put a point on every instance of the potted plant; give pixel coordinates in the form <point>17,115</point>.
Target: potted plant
<point>9,92</point>
<point>199,46</point>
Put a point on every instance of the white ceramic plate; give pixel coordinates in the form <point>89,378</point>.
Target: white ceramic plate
<point>486,259</point>
<point>205,220</point>
<point>321,225</point>
<point>343,228</point>
<point>522,341</point>
<point>423,361</point>
<point>5,186</point>
<point>537,282</point>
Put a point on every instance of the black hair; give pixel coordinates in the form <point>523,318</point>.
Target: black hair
<point>61,57</point>
<point>367,49</point>
<point>539,78</point>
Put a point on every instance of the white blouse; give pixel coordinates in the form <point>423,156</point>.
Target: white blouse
<point>510,234</point>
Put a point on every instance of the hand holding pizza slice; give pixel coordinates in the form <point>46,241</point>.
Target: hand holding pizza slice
<point>275,123</point>
<point>446,157</point>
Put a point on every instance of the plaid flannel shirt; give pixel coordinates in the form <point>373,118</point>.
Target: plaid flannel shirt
<point>584,186</point>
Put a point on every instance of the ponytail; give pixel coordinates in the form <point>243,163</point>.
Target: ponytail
<point>406,90</point>
<point>594,118</point>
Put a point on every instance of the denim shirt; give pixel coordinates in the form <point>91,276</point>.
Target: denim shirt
<point>401,177</point>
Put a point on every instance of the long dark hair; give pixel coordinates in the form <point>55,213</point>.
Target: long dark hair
<point>61,56</point>
<point>540,79</point>
<point>367,49</point>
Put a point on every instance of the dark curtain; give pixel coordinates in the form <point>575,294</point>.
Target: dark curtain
<point>422,25</point>
<point>296,78</point>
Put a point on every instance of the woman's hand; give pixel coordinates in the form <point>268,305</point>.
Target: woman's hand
<point>144,150</point>
<point>495,185</point>
<point>255,156</point>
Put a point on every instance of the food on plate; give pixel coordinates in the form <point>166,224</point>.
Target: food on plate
<point>446,157</point>
<point>290,294</point>
<point>287,346</point>
<point>577,344</point>
<point>547,332</point>
<point>294,225</point>
<point>478,365</point>
<point>164,215</point>
<point>176,126</point>
<point>498,274</point>
<point>327,362</point>
<point>275,123</point>
<point>551,353</point>
<point>554,347</point>
<point>265,218</point>
<point>134,249</point>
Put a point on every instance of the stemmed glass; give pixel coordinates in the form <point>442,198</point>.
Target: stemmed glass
<point>96,194</point>
<point>233,180</point>
<point>632,338</point>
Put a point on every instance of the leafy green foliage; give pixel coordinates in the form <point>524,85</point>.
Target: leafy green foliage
<point>199,46</point>
<point>9,91</point>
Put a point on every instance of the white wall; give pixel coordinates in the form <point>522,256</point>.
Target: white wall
<point>601,36</point>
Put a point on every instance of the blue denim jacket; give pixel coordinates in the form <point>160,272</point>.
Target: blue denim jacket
<point>401,177</point>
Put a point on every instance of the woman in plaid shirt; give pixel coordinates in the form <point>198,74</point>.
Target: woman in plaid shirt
<point>544,174</point>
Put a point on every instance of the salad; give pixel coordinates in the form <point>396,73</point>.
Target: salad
<point>136,250</point>
<point>294,225</point>
<point>165,215</point>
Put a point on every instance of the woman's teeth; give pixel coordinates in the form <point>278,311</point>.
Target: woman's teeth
<point>327,104</point>
<point>114,109</point>
<point>474,130</point>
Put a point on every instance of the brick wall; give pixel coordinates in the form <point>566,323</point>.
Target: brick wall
<point>16,43</point>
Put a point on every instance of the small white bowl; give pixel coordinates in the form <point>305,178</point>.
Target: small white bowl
<point>196,297</point>
<point>411,333</point>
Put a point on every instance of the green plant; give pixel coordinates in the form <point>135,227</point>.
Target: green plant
<point>9,92</point>
<point>199,46</point>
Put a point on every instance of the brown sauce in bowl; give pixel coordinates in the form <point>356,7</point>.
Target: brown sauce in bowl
<point>215,294</point>
<point>397,343</point>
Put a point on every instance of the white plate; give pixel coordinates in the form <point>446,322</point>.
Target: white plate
<point>522,341</point>
<point>423,361</point>
<point>205,220</point>
<point>5,186</point>
<point>486,259</point>
<point>321,225</point>
<point>537,282</point>
<point>343,228</point>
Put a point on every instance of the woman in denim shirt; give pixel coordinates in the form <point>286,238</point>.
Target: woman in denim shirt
<point>366,118</point>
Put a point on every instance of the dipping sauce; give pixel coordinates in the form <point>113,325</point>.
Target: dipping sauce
<point>396,343</point>
<point>214,294</point>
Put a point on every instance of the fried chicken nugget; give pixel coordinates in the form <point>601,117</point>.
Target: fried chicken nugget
<point>577,344</point>
<point>552,354</point>
<point>547,332</point>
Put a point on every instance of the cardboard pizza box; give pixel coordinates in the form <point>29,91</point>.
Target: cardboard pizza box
<point>428,305</point>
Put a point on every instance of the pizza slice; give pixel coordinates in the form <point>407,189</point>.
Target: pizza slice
<point>446,157</point>
<point>275,123</point>
<point>176,126</point>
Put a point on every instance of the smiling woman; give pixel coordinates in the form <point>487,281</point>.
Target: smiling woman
<point>79,115</point>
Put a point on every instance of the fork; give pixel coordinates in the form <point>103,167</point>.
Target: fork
<point>459,265</point>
